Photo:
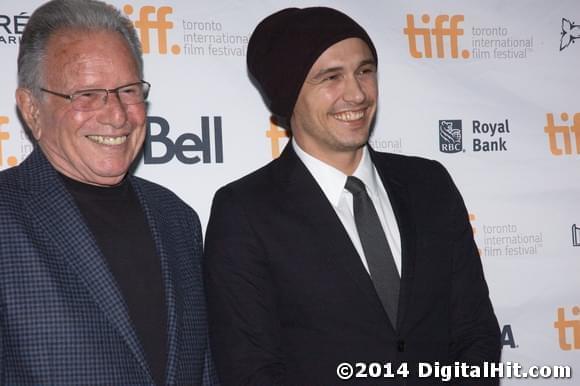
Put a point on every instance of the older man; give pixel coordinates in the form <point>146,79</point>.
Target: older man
<point>335,264</point>
<point>100,280</point>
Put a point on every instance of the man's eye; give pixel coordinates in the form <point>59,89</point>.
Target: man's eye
<point>129,90</point>
<point>89,94</point>
<point>331,77</point>
<point>365,71</point>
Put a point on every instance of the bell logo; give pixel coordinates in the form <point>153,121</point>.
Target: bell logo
<point>276,133</point>
<point>159,23</point>
<point>565,132</point>
<point>568,330</point>
<point>187,147</point>
<point>5,136</point>
<point>445,27</point>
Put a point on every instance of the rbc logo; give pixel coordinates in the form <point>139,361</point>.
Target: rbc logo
<point>186,144</point>
<point>450,136</point>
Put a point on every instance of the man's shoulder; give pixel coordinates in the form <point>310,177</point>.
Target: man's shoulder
<point>9,178</point>
<point>260,180</point>
<point>158,195</point>
<point>10,186</point>
<point>406,166</point>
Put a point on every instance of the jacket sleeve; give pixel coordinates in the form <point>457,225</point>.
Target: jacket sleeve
<point>244,327</point>
<point>475,331</point>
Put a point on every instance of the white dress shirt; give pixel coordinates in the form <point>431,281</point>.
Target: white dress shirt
<point>332,182</point>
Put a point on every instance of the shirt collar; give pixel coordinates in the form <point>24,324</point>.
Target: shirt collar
<point>332,180</point>
<point>366,172</point>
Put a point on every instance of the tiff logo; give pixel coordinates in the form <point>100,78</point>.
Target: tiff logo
<point>276,133</point>
<point>472,219</point>
<point>158,23</point>
<point>565,132</point>
<point>5,136</point>
<point>450,136</point>
<point>567,328</point>
<point>445,29</point>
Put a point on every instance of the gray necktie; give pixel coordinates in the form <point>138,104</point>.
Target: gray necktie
<point>379,257</point>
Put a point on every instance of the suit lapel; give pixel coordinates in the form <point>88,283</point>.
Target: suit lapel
<point>163,244</point>
<point>399,198</point>
<point>53,208</point>
<point>305,197</point>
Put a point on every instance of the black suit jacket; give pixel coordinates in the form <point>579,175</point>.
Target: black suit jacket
<point>289,298</point>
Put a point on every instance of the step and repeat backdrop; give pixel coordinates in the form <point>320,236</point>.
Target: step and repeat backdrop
<point>490,89</point>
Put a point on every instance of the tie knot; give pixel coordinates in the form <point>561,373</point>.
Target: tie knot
<point>354,185</point>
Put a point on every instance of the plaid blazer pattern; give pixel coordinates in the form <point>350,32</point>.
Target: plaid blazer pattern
<point>63,320</point>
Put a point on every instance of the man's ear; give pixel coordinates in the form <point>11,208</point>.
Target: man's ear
<point>29,109</point>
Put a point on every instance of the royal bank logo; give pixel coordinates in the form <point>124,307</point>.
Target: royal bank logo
<point>277,136</point>
<point>568,329</point>
<point>440,38</point>
<point>188,148</point>
<point>575,236</point>
<point>5,160</point>
<point>450,136</point>
<point>560,136</point>
<point>486,136</point>
<point>12,27</point>
<point>152,19</point>
<point>570,32</point>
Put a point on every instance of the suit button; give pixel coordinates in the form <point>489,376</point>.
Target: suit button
<point>400,345</point>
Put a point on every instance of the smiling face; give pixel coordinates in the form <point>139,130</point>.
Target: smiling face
<point>94,147</point>
<point>337,103</point>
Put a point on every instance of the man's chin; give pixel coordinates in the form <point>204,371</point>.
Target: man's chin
<point>106,176</point>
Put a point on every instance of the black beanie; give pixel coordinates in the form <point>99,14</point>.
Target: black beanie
<point>285,45</point>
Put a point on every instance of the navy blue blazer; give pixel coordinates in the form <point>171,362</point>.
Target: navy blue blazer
<point>63,320</point>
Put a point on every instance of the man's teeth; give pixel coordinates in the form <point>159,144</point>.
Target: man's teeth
<point>100,139</point>
<point>349,115</point>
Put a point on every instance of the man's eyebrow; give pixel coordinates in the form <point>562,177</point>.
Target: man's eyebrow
<point>328,70</point>
<point>368,61</point>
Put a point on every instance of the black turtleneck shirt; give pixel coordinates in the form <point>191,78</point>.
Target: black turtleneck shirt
<point>117,221</point>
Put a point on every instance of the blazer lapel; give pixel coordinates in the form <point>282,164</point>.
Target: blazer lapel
<point>163,243</point>
<point>398,196</point>
<point>305,196</point>
<point>53,207</point>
